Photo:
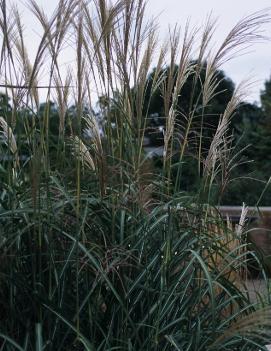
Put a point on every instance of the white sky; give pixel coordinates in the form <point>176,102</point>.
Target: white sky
<point>256,64</point>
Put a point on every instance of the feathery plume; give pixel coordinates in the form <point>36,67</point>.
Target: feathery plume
<point>9,139</point>
<point>81,151</point>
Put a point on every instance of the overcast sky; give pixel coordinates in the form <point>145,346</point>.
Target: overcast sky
<point>257,63</point>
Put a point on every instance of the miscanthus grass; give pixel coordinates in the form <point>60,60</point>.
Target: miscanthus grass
<point>98,250</point>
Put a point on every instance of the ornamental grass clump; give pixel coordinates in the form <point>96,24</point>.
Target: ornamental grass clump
<point>99,249</point>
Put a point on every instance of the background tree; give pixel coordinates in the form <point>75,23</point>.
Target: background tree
<point>265,96</point>
<point>249,125</point>
<point>189,99</point>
